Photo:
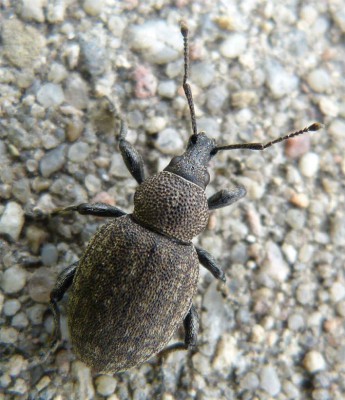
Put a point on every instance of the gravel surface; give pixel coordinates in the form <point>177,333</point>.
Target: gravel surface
<point>259,69</point>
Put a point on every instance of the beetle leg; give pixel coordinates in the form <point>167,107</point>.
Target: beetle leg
<point>207,261</point>
<point>131,157</point>
<point>63,282</point>
<point>224,198</point>
<point>191,326</point>
<point>98,209</point>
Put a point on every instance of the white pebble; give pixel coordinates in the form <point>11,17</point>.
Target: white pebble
<point>12,220</point>
<point>159,41</point>
<point>50,95</point>
<point>233,46</point>
<point>319,80</point>
<point>8,335</point>
<point>33,10</point>
<point>274,265</point>
<point>167,89</point>
<point>13,279</point>
<point>314,361</point>
<point>78,152</point>
<point>93,7</point>
<point>337,129</point>
<point>269,380</point>
<point>279,81</point>
<point>105,385</point>
<point>328,107</point>
<point>169,142</point>
<point>93,183</point>
<point>155,124</point>
<point>11,307</point>
<point>309,164</point>
<point>337,291</point>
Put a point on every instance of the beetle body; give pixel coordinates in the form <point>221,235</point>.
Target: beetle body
<point>134,284</point>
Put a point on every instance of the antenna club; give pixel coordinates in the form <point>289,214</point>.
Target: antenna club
<point>315,126</point>
<point>184,28</point>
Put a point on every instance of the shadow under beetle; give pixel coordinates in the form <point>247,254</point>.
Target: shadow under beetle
<point>135,282</point>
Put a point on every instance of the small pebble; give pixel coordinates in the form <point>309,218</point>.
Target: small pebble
<point>13,279</point>
<point>305,293</point>
<point>19,388</point>
<point>16,365</point>
<point>93,59</point>
<point>118,167</point>
<point>269,380</point>
<point>12,220</point>
<point>337,129</point>
<point>300,200</point>
<point>53,161</point>
<point>274,265</point>
<point>57,73</point>
<point>145,82</point>
<point>92,7</point>
<point>296,322</point>
<point>56,11</point>
<point>49,254</point>
<point>50,95</point>
<point>105,385</point>
<point>169,142</point>
<point>296,219</point>
<point>159,41</point>
<point>314,361</point>
<point>243,99</point>
<point>78,152</point>
<point>203,74</point>
<point>226,353</point>
<point>11,307</point>
<point>8,335</point>
<point>76,92</point>
<point>319,80</point>
<point>309,164</point>
<point>20,321</point>
<point>216,98</point>
<point>250,381</point>
<point>329,107</point>
<point>93,183</point>
<point>167,89</point>
<point>297,146</point>
<point>84,386</point>
<point>337,229</point>
<point>155,124</point>
<point>43,383</point>
<point>74,130</point>
<point>279,81</point>
<point>32,10</point>
<point>22,44</point>
<point>233,46</point>
<point>41,284</point>
<point>337,291</point>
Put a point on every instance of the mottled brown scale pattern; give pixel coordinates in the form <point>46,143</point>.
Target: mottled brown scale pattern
<point>171,205</point>
<point>132,289</point>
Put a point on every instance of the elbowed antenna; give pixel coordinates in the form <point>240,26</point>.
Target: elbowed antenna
<point>262,146</point>
<point>186,86</point>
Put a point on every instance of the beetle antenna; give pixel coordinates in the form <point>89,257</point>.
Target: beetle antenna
<point>262,146</point>
<point>186,86</point>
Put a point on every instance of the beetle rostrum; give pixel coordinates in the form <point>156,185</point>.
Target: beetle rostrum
<point>134,284</point>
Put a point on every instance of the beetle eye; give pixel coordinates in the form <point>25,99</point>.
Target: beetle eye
<point>194,138</point>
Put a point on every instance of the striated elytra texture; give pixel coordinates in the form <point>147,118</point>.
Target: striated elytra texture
<point>171,205</point>
<point>132,289</point>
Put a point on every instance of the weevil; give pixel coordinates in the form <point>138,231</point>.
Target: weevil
<point>134,285</point>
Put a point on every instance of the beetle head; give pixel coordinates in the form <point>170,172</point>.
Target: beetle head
<point>192,164</point>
